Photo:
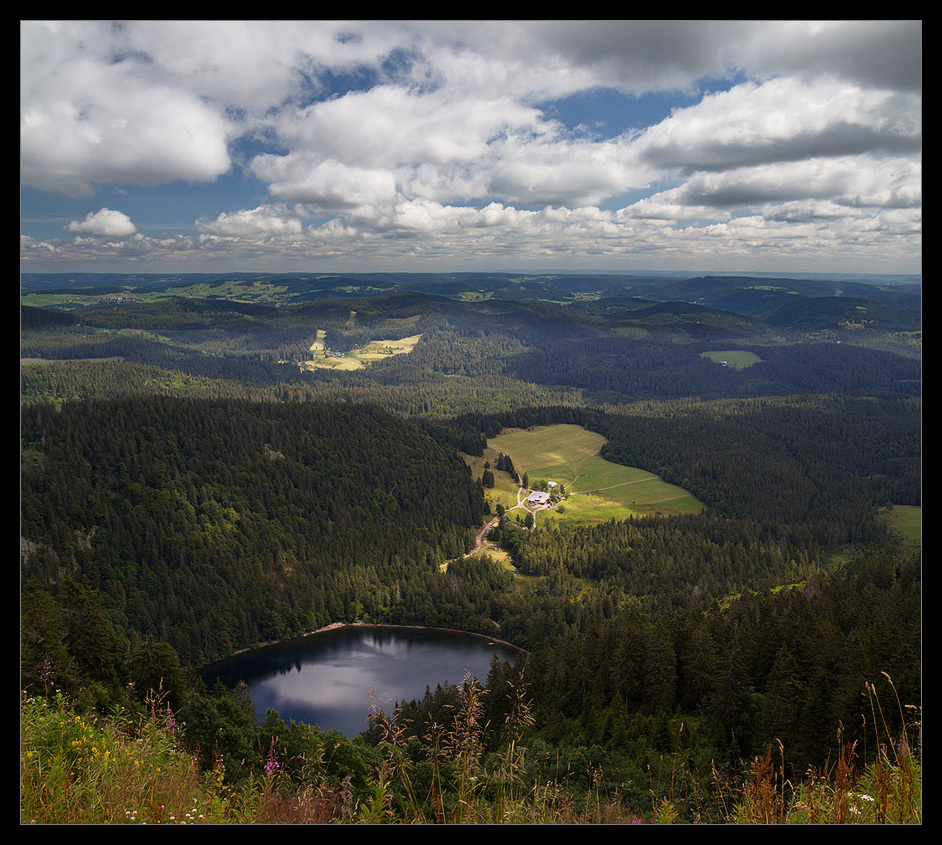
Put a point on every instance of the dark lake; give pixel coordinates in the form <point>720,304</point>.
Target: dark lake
<point>326,679</point>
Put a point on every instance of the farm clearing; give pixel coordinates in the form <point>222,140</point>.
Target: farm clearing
<point>598,490</point>
<point>356,359</point>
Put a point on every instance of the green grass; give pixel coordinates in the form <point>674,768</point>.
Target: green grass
<point>737,358</point>
<point>599,490</point>
<point>504,491</point>
<point>907,521</point>
<point>593,508</point>
<point>564,453</point>
<point>80,769</point>
<point>632,331</point>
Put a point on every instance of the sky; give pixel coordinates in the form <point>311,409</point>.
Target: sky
<point>447,146</point>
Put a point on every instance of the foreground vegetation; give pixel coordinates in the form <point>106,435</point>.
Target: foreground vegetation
<point>679,726</point>
<point>133,767</point>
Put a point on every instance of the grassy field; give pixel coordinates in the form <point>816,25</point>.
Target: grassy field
<point>504,491</point>
<point>599,490</point>
<point>907,520</point>
<point>356,359</point>
<point>318,346</point>
<point>737,358</point>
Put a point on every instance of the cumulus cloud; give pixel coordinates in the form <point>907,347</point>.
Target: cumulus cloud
<point>565,173</point>
<point>327,183</point>
<point>884,54</point>
<point>389,126</point>
<point>257,222</point>
<point>784,120</point>
<point>851,180</point>
<point>103,223</point>
<point>90,116</point>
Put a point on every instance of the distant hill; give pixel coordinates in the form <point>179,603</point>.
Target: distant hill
<point>830,312</point>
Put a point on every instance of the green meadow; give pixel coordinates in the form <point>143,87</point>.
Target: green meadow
<point>599,490</point>
<point>738,358</point>
<point>504,491</point>
<point>907,521</point>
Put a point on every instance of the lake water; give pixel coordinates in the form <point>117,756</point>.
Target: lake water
<point>326,679</point>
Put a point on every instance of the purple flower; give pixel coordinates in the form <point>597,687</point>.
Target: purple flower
<point>271,764</point>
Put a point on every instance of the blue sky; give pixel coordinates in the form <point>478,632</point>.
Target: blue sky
<point>176,146</point>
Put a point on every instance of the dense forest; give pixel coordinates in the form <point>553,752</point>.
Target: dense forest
<point>189,487</point>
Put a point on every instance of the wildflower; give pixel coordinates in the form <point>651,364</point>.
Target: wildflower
<point>271,764</point>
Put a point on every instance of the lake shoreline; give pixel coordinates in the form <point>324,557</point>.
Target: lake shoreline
<point>337,626</point>
<point>333,677</point>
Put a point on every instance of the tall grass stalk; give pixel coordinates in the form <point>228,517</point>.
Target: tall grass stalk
<point>465,741</point>
<point>886,791</point>
<point>392,766</point>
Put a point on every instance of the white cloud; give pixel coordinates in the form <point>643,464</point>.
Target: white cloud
<point>262,221</point>
<point>573,173</point>
<point>88,117</point>
<point>878,53</point>
<point>851,180</point>
<point>390,125</point>
<point>103,223</point>
<point>783,120</point>
<point>298,177</point>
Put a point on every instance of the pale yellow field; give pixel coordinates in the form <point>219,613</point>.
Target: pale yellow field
<point>356,359</point>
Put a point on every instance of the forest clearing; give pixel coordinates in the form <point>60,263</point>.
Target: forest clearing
<point>598,489</point>
<point>356,359</point>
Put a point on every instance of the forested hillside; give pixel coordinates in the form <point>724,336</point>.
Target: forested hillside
<point>213,525</point>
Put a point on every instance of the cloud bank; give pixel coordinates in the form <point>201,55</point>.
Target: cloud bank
<point>434,145</point>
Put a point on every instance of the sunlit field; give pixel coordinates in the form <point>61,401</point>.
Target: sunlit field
<point>599,489</point>
<point>356,359</point>
<point>738,358</point>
